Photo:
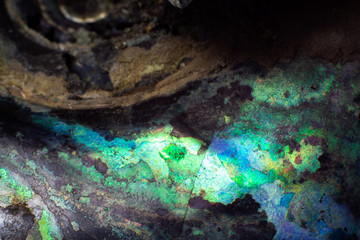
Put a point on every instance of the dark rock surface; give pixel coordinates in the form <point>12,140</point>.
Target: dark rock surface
<point>225,120</point>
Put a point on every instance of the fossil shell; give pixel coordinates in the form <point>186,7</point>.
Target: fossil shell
<point>61,63</point>
<point>180,3</point>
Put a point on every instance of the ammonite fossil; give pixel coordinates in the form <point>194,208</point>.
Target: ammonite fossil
<point>94,54</point>
<point>180,3</point>
<point>118,53</point>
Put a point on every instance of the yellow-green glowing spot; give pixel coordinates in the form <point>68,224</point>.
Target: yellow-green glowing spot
<point>23,193</point>
<point>75,226</point>
<point>227,119</point>
<point>305,159</point>
<point>294,85</point>
<point>31,165</point>
<point>85,200</point>
<point>68,188</point>
<point>173,152</point>
<point>251,179</point>
<point>198,232</point>
<point>192,145</point>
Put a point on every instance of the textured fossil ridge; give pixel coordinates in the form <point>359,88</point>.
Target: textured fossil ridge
<point>109,63</point>
<point>146,49</point>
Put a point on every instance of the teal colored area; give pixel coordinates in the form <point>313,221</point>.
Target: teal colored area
<point>145,167</point>
<point>285,200</point>
<point>322,228</point>
<point>75,164</point>
<point>213,181</point>
<point>251,179</point>
<point>301,81</point>
<point>269,149</point>
<point>116,153</point>
<point>136,172</point>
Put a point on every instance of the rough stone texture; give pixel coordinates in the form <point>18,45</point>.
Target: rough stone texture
<point>247,153</point>
<point>156,50</point>
<point>260,142</point>
<point>16,221</point>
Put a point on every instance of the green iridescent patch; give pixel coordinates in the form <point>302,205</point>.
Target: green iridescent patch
<point>48,228</point>
<point>173,152</point>
<point>23,193</point>
<point>44,227</point>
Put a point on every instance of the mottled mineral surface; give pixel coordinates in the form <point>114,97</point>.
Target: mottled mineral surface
<point>247,153</point>
<point>261,143</point>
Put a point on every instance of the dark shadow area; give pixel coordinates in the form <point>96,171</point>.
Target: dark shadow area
<point>270,30</point>
<point>15,221</point>
<point>255,29</point>
<point>249,222</point>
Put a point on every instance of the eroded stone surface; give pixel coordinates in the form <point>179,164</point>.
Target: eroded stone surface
<point>248,139</point>
<point>152,49</point>
<point>273,158</point>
